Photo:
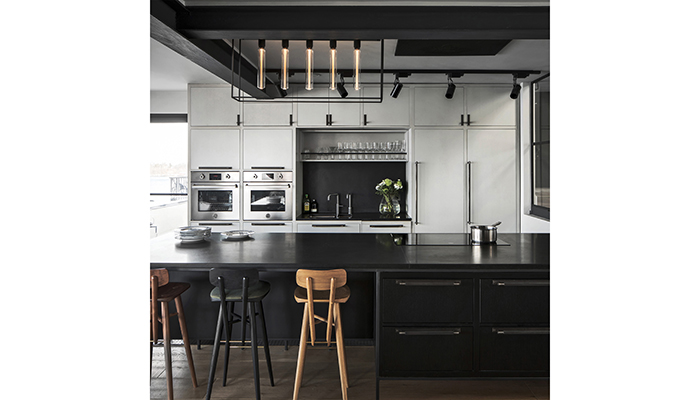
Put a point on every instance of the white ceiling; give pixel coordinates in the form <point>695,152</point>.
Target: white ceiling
<point>172,72</point>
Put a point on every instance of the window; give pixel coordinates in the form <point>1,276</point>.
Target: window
<point>169,180</point>
<point>540,147</point>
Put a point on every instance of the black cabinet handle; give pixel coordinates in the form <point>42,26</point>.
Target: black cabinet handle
<point>266,167</point>
<point>469,119</point>
<point>291,122</point>
<point>428,282</point>
<point>215,224</point>
<point>386,226</point>
<point>272,224</point>
<point>203,167</point>
<point>329,119</point>
<point>520,331</point>
<point>461,119</point>
<point>429,331</point>
<point>238,119</point>
<point>520,282</point>
<point>365,119</point>
<point>329,226</point>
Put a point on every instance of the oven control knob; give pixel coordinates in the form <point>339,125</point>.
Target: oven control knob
<point>267,215</point>
<point>280,176</point>
<point>228,176</point>
<point>215,216</point>
<point>255,176</point>
<point>201,176</point>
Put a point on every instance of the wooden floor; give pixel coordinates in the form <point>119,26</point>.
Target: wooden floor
<point>321,378</point>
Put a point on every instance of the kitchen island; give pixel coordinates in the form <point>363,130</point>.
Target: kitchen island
<point>431,307</point>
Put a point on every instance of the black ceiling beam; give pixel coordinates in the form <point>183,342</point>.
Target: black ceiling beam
<point>214,55</point>
<point>364,22</point>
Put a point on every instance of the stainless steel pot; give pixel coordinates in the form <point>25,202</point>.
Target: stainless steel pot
<point>484,233</point>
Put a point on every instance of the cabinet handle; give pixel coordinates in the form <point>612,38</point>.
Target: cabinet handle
<point>329,119</point>
<point>272,224</point>
<point>264,167</point>
<point>238,119</point>
<point>469,192</point>
<point>329,226</point>
<point>365,119</point>
<point>427,282</point>
<point>461,119</point>
<point>417,192</point>
<point>429,332</point>
<point>291,121</point>
<point>520,331</point>
<point>201,167</point>
<point>215,224</point>
<point>469,119</point>
<point>520,282</point>
<point>386,226</point>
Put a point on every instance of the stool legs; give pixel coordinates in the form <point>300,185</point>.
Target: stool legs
<point>228,330</point>
<point>267,345</point>
<point>185,337</point>
<point>254,349</point>
<point>215,350</point>
<point>341,352</point>
<point>302,351</point>
<point>166,343</point>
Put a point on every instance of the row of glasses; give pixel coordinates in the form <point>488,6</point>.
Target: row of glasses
<point>390,150</point>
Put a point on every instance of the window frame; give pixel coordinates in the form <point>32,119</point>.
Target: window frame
<point>165,119</point>
<point>536,210</point>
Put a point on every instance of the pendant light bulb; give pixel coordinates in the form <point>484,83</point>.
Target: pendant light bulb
<point>333,64</point>
<point>356,66</point>
<point>309,65</point>
<point>261,64</point>
<point>284,76</point>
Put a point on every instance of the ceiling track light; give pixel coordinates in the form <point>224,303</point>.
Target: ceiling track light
<point>397,87</point>
<point>450,87</point>
<point>516,88</point>
<point>356,65</point>
<point>261,64</point>
<point>309,72</point>
<point>341,88</point>
<point>284,74</point>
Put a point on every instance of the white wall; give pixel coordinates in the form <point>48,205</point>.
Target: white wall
<point>528,223</point>
<point>170,102</point>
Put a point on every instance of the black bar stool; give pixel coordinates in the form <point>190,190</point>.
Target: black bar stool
<point>244,286</point>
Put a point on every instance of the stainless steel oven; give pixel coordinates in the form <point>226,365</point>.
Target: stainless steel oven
<point>267,195</point>
<point>215,196</point>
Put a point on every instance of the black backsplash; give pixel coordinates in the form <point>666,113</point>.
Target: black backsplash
<point>358,178</point>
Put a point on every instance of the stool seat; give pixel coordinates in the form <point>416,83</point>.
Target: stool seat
<point>342,294</point>
<point>171,290</point>
<point>255,293</point>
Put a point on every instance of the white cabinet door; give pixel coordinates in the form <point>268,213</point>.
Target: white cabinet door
<point>214,148</point>
<point>274,227</point>
<point>493,196</point>
<point>432,108</point>
<point>385,227</point>
<point>391,111</point>
<point>213,106</point>
<point>311,114</point>
<point>439,181</point>
<point>266,113</point>
<point>328,227</point>
<point>268,149</point>
<point>490,106</point>
<point>345,113</point>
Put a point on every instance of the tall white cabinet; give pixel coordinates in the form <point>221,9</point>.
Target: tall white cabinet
<point>439,171</point>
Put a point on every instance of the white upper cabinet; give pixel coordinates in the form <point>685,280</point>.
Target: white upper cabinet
<point>490,106</point>
<point>345,113</point>
<point>432,108</point>
<point>325,113</point>
<point>213,106</point>
<point>391,111</point>
<point>311,114</point>
<point>493,192</point>
<point>268,149</point>
<point>213,148</point>
<point>267,113</point>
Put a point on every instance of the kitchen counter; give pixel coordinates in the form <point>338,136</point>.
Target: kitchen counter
<point>354,217</point>
<point>355,252</point>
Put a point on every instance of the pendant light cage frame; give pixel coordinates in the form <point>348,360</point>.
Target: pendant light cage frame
<point>236,79</point>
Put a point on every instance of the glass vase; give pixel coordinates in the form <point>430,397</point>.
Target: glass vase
<point>389,206</point>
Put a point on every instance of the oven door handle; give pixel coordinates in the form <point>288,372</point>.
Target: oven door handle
<point>215,186</point>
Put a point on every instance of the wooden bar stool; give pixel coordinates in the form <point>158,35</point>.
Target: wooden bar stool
<point>244,286</point>
<point>321,287</point>
<point>163,291</point>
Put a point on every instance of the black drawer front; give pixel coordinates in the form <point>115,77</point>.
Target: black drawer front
<point>426,351</point>
<point>514,349</point>
<point>443,301</point>
<point>515,301</point>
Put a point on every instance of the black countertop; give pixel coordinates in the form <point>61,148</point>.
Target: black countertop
<point>352,251</point>
<point>373,216</point>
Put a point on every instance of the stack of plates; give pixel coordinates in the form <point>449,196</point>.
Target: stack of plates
<point>191,234</point>
<point>237,235</point>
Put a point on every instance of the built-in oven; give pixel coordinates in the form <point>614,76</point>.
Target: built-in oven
<point>215,196</point>
<point>267,195</point>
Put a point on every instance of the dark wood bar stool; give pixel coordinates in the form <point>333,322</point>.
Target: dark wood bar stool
<point>163,291</point>
<point>321,287</point>
<point>238,286</point>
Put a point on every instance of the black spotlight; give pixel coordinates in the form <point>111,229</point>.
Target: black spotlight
<point>341,88</point>
<point>450,88</point>
<point>397,88</point>
<point>516,89</point>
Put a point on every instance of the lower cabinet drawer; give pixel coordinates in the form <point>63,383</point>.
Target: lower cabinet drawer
<point>514,301</point>
<point>411,351</point>
<point>427,301</point>
<point>279,227</point>
<point>385,227</point>
<point>513,349</point>
<point>329,227</point>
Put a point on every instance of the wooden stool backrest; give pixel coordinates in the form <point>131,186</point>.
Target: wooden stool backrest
<point>162,276</point>
<point>233,278</point>
<point>312,280</point>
